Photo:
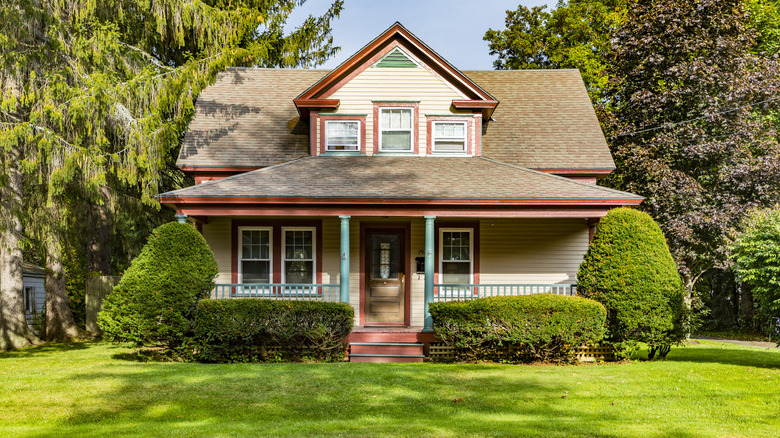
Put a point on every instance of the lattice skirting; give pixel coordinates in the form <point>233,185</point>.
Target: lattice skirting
<point>585,353</point>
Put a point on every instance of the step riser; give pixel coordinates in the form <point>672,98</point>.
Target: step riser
<point>385,359</point>
<point>386,349</point>
<point>390,337</point>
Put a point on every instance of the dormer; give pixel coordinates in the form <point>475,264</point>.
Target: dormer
<point>396,96</point>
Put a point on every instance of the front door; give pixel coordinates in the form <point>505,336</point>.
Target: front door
<point>385,278</point>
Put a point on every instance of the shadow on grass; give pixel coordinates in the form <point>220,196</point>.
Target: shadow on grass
<point>47,349</point>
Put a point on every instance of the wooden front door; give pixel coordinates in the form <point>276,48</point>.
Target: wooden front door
<point>385,287</point>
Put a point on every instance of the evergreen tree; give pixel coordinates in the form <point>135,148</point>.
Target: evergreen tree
<point>96,95</point>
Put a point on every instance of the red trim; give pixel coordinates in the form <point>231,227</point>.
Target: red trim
<point>452,212</point>
<point>474,104</point>
<point>415,123</point>
<point>325,118</point>
<point>360,68</point>
<point>395,33</point>
<point>478,134</point>
<point>578,172</point>
<point>407,227</point>
<point>437,225</point>
<point>469,120</point>
<point>313,133</point>
<point>203,169</point>
<point>400,201</point>
<point>306,105</point>
<point>276,226</point>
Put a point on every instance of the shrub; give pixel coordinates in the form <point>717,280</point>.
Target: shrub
<point>629,269</point>
<point>242,330</point>
<point>154,303</point>
<point>756,252</point>
<point>533,327</point>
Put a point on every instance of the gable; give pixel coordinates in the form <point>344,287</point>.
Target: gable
<point>395,59</point>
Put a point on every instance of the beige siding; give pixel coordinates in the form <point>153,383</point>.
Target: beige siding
<point>511,251</point>
<point>531,250</point>
<point>414,84</point>
<point>217,235</point>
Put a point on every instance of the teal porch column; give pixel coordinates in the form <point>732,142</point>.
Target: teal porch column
<point>344,264</point>
<point>428,271</point>
<point>182,218</point>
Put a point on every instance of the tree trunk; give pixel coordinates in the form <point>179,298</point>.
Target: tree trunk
<point>14,331</point>
<point>60,324</point>
<point>99,245</point>
<point>746,306</point>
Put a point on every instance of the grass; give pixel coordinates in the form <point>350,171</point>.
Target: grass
<point>99,390</point>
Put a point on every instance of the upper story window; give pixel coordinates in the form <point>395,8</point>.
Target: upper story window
<point>342,135</point>
<point>449,137</point>
<point>396,130</point>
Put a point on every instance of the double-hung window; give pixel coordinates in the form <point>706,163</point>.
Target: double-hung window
<point>342,135</point>
<point>449,137</point>
<point>456,255</point>
<point>395,129</point>
<point>298,255</point>
<point>254,255</point>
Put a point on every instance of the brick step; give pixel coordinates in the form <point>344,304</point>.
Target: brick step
<point>386,348</point>
<point>376,337</point>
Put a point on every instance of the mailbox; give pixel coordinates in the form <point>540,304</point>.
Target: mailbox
<point>420,264</point>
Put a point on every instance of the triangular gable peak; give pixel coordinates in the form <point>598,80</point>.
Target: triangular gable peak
<point>396,47</point>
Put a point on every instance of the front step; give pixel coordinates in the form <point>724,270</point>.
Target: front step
<point>386,352</point>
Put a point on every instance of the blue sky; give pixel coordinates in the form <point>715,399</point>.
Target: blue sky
<point>433,21</point>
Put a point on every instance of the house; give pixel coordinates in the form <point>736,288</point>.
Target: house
<point>393,181</point>
<point>34,295</point>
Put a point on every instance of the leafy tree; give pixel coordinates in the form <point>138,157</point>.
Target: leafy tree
<point>765,19</point>
<point>628,268</point>
<point>691,123</point>
<point>96,96</point>
<point>756,253</point>
<point>155,301</point>
<point>576,34</point>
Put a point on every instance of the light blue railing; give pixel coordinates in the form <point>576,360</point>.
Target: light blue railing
<point>455,292</point>
<point>277,291</point>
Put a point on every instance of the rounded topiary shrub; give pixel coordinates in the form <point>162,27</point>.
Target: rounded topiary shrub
<point>629,269</point>
<point>155,301</point>
<point>541,327</point>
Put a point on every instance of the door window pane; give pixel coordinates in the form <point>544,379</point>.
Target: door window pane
<point>384,256</point>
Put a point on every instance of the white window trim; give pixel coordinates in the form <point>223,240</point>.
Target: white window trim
<point>471,252</point>
<point>465,137</point>
<point>359,140</point>
<point>29,299</point>
<point>411,129</point>
<point>270,251</point>
<point>313,251</point>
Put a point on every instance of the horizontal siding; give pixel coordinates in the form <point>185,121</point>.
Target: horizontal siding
<point>37,283</point>
<point>378,83</point>
<point>217,235</point>
<point>531,250</point>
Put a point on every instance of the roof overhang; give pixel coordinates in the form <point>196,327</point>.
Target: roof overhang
<point>316,96</point>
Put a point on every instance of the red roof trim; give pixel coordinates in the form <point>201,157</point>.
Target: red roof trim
<point>395,31</point>
<point>578,172</point>
<point>385,201</point>
<point>203,169</point>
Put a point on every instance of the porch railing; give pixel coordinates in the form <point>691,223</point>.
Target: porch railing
<point>277,291</point>
<point>457,292</point>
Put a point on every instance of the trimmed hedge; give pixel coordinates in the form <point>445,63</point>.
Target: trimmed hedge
<point>629,269</point>
<point>242,330</point>
<point>154,303</point>
<point>541,327</point>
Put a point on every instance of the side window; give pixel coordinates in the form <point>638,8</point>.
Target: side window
<point>395,130</point>
<point>298,255</point>
<point>254,255</point>
<point>449,137</point>
<point>29,300</point>
<point>342,135</point>
<point>456,255</point>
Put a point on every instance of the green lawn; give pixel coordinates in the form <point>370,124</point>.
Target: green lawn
<point>98,390</point>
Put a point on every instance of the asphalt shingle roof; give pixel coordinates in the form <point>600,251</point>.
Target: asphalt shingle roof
<point>411,178</point>
<point>544,120</point>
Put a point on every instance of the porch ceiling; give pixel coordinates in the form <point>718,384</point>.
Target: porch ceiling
<point>409,182</point>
